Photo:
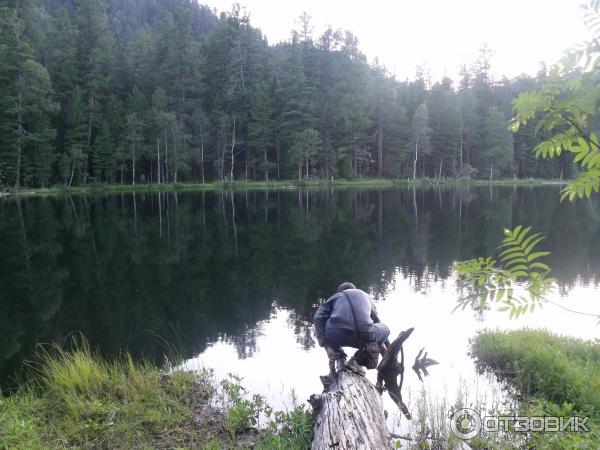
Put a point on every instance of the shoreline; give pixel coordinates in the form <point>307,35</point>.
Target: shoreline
<point>275,185</point>
<point>79,399</point>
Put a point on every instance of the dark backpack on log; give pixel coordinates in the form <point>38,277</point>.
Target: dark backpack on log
<point>367,354</point>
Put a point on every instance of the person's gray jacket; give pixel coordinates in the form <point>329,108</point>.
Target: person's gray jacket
<point>337,311</point>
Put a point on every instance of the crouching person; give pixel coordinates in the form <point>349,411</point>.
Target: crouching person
<point>349,319</point>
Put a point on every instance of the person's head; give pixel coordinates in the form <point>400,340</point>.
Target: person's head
<point>346,285</point>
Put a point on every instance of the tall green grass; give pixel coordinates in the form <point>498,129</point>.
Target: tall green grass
<point>79,400</point>
<point>553,375</point>
<point>538,363</point>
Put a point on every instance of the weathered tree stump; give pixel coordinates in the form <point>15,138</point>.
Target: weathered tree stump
<point>349,413</point>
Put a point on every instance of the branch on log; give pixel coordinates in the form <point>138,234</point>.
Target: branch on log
<point>389,368</point>
<point>422,364</point>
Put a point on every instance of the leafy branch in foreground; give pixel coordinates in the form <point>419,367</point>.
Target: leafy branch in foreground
<point>516,268</point>
<point>567,104</point>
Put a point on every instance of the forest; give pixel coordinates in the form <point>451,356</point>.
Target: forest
<point>166,91</point>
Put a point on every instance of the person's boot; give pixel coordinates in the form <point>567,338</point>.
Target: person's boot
<point>353,366</point>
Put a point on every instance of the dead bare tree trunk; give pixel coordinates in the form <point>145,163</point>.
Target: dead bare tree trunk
<point>175,160</point>
<point>133,163</point>
<point>158,160</point>
<point>19,138</point>
<point>266,166</point>
<point>202,155</point>
<point>72,173</point>
<point>461,142</point>
<point>89,137</point>
<point>306,162</point>
<point>416,158</point>
<point>166,173</point>
<point>232,150</point>
<point>380,140</point>
<point>278,166</point>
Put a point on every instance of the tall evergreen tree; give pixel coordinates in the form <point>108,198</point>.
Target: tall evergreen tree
<point>26,106</point>
<point>260,126</point>
<point>74,158</point>
<point>498,151</point>
<point>445,128</point>
<point>421,136</point>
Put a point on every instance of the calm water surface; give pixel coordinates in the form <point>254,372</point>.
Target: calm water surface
<point>232,280</point>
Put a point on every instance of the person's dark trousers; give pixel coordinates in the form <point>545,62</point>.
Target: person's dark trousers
<point>342,337</point>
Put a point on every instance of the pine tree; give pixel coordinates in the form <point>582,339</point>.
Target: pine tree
<point>498,151</point>
<point>396,139</point>
<point>134,139</point>
<point>94,53</point>
<point>74,158</point>
<point>260,125</point>
<point>444,120</point>
<point>297,106</point>
<point>302,154</point>
<point>421,135</point>
<point>26,106</point>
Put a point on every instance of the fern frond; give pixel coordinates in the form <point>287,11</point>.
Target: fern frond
<point>587,182</point>
<point>482,280</point>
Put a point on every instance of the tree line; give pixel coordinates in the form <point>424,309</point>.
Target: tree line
<point>164,91</point>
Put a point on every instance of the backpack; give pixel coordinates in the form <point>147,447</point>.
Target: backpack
<point>367,354</point>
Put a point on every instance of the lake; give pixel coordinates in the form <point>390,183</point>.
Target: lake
<point>231,280</point>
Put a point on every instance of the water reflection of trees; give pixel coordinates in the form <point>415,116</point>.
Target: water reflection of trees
<point>196,267</point>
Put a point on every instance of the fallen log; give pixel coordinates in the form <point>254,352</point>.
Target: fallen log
<point>349,413</point>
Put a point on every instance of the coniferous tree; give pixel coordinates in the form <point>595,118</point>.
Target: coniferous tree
<point>304,151</point>
<point>94,53</point>
<point>260,126</point>
<point>498,150</point>
<point>445,128</point>
<point>26,106</point>
<point>421,136</point>
<point>73,159</point>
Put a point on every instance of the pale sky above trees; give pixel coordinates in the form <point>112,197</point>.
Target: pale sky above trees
<point>440,35</point>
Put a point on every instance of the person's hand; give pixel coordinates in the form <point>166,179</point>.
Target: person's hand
<point>331,354</point>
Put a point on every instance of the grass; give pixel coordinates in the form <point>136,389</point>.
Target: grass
<point>542,375</point>
<point>553,375</point>
<point>430,427</point>
<point>275,184</point>
<point>79,400</point>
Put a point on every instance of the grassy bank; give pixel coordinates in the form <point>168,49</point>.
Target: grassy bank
<point>553,375</point>
<point>281,184</point>
<point>79,400</point>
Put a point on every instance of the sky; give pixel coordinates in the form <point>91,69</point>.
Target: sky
<point>440,35</point>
